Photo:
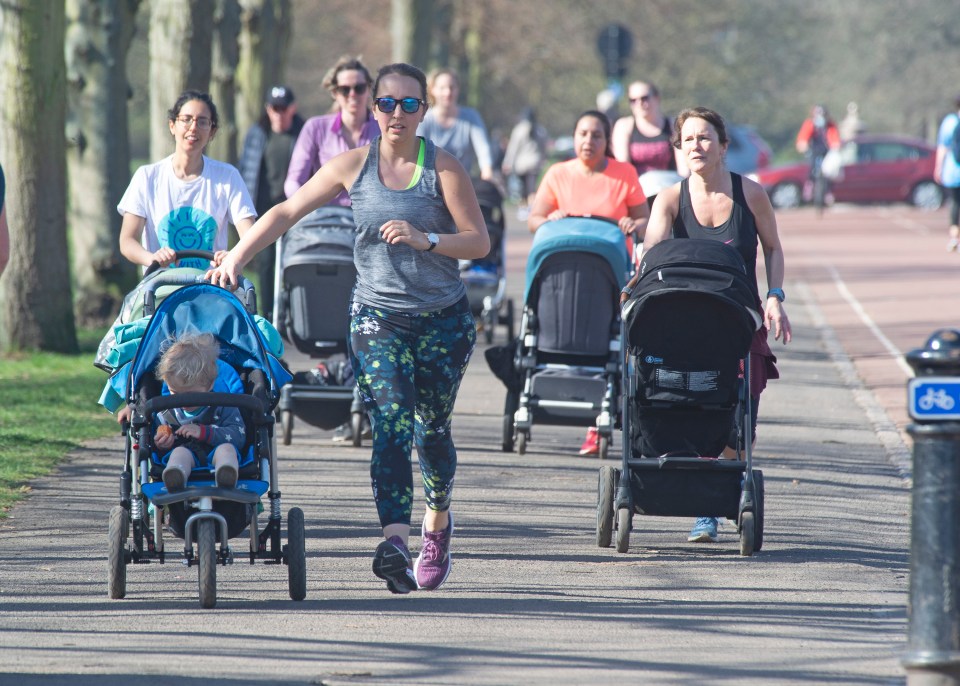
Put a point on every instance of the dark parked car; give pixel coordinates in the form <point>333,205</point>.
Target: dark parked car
<point>876,169</point>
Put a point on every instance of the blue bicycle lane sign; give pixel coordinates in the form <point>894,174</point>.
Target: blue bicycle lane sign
<point>934,398</point>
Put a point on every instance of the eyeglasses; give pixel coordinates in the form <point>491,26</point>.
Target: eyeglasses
<point>408,105</point>
<point>359,89</point>
<point>643,98</point>
<point>203,123</point>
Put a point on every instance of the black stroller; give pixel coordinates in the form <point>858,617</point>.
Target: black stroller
<point>687,330</point>
<point>485,279</point>
<point>566,364</point>
<point>315,276</point>
<point>205,516</point>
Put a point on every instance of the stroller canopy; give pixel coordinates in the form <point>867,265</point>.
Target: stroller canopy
<point>585,234</point>
<point>685,270</point>
<point>328,233</point>
<point>205,308</point>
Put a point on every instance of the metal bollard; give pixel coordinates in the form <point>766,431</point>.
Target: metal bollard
<point>933,644</point>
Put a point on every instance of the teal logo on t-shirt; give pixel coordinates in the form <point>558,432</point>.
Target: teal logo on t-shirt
<point>188,228</point>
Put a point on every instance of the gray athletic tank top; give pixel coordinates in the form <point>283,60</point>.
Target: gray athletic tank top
<point>398,277</point>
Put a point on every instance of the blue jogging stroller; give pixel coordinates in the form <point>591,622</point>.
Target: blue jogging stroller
<point>486,279</point>
<point>687,329</point>
<point>204,516</point>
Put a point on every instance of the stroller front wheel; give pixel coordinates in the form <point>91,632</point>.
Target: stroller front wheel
<point>207,563</point>
<point>117,552</point>
<point>747,534</point>
<point>296,555</point>
<point>623,530</point>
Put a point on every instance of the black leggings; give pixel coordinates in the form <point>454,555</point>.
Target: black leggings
<point>954,195</point>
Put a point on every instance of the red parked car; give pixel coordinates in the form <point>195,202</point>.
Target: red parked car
<point>877,168</point>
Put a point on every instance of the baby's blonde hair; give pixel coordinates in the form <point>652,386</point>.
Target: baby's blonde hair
<point>190,361</point>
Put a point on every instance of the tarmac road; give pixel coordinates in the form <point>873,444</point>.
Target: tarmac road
<point>531,598</point>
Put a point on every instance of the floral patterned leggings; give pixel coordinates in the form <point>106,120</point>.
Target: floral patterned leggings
<point>408,369</point>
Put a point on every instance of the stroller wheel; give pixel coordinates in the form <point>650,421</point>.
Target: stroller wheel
<point>604,447</point>
<point>207,562</point>
<point>623,530</point>
<point>747,534</point>
<point>117,556</point>
<point>758,516</point>
<point>356,429</point>
<point>296,555</point>
<point>510,406</point>
<point>605,493</point>
<point>521,443</point>
<point>286,426</point>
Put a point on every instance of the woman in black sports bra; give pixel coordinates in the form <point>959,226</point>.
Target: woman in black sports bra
<point>643,137</point>
<point>714,203</point>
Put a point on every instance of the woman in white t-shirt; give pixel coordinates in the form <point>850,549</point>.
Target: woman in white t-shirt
<point>185,201</point>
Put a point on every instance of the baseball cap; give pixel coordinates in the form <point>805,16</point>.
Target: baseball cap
<point>280,96</point>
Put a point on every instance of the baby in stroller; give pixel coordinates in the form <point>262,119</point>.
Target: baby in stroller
<point>197,435</point>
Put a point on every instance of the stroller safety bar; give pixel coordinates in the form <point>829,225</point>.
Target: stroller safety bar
<point>238,400</point>
<point>571,404</point>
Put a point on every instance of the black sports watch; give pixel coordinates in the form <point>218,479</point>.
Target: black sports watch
<point>777,293</point>
<point>434,241</point>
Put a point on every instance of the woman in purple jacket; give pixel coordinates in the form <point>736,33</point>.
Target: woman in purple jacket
<point>349,126</point>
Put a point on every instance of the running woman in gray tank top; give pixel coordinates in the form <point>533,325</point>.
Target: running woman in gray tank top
<point>411,331</point>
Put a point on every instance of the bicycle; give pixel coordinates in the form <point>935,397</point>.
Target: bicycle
<point>819,183</point>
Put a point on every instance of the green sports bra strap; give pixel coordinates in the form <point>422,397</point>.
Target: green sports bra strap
<point>419,170</point>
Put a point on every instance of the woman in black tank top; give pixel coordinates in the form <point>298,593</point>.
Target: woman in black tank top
<point>716,204</point>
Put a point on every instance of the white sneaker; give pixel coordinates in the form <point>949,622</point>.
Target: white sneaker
<point>953,244</point>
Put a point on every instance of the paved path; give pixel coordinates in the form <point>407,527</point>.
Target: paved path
<point>531,598</point>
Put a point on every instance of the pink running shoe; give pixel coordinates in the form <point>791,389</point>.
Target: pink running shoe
<point>433,565</point>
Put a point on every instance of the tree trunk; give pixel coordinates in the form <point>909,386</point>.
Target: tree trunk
<point>98,36</point>
<point>226,55</point>
<point>180,49</point>
<point>411,27</point>
<point>35,305</point>
<point>265,27</point>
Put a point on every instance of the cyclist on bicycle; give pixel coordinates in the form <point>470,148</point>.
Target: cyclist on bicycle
<point>817,135</point>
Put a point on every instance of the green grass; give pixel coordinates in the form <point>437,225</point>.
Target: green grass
<point>48,407</point>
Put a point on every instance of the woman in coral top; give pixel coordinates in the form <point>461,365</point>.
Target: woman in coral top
<point>592,183</point>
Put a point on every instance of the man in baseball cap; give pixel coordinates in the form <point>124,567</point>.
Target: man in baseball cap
<point>280,97</point>
<point>263,164</point>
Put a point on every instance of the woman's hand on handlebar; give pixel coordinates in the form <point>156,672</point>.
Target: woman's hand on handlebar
<point>165,257</point>
<point>227,272</point>
<point>629,226</point>
<point>218,257</point>
<point>557,214</point>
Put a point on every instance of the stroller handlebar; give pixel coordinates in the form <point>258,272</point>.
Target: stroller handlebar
<point>197,399</point>
<point>244,291</point>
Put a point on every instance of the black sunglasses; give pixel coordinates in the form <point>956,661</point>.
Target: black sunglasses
<point>408,105</point>
<point>359,89</point>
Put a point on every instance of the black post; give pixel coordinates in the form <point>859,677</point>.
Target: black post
<point>933,646</point>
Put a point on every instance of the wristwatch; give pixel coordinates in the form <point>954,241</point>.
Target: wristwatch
<point>777,293</point>
<point>434,241</point>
